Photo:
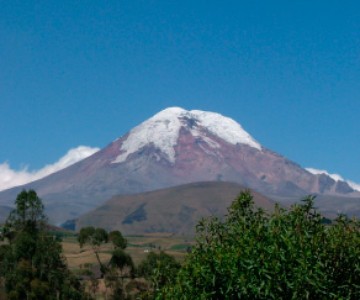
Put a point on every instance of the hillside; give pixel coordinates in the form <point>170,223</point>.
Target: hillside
<point>175,210</point>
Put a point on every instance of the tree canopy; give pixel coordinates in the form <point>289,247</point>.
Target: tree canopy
<point>120,264</point>
<point>250,254</point>
<point>290,254</point>
<point>32,264</point>
<point>159,268</point>
<point>28,216</point>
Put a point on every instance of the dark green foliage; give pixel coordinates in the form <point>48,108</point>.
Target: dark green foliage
<point>287,255</point>
<point>160,269</point>
<point>117,239</point>
<point>32,265</point>
<point>121,260</point>
<point>27,217</point>
<point>120,265</point>
<point>93,236</point>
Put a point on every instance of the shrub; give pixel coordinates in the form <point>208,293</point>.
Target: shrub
<point>290,254</point>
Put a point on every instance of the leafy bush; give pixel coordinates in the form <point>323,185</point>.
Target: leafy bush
<point>159,269</point>
<point>286,255</point>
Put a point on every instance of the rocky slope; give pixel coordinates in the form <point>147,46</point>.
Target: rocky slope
<point>176,147</point>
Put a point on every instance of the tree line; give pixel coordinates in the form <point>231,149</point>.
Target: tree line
<point>250,254</point>
<point>32,264</point>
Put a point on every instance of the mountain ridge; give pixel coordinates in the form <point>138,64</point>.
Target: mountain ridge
<point>195,150</point>
<point>174,210</point>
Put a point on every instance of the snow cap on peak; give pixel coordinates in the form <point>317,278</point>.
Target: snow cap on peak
<point>162,131</point>
<point>336,177</point>
<point>175,110</point>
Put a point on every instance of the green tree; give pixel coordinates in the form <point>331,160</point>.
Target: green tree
<point>28,216</point>
<point>92,236</point>
<point>32,264</point>
<point>119,266</point>
<point>95,237</point>
<point>121,260</point>
<point>160,269</point>
<point>117,239</point>
<point>290,254</point>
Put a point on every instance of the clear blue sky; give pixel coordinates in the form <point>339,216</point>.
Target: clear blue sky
<point>85,72</point>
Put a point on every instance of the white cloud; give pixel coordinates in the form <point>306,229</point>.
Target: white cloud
<point>10,178</point>
<point>336,177</point>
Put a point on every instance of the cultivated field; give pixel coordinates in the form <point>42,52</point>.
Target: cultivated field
<point>138,247</point>
<point>81,259</point>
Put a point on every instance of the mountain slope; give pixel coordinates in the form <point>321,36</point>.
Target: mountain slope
<point>176,210</point>
<point>176,147</point>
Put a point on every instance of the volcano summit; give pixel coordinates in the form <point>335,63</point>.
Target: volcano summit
<point>163,131</point>
<point>176,147</point>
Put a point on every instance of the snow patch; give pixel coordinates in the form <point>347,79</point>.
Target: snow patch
<point>162,131</point>
<point>354,185</point>
<point>334,176</point>
<point>224,128</point>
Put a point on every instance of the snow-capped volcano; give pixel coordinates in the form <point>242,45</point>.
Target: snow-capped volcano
<point>163,129</point>
<point>176,147</point>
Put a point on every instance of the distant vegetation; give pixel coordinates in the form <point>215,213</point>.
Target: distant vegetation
<point>251,254</point>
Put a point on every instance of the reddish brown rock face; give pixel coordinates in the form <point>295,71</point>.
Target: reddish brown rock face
<point>189,152</point>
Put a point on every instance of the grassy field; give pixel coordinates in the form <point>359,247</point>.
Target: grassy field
<point>80,259</point>
<point>138,248</point>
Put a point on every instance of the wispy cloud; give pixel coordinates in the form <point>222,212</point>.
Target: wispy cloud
<point>336,177</point>
<point>10,177</point>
